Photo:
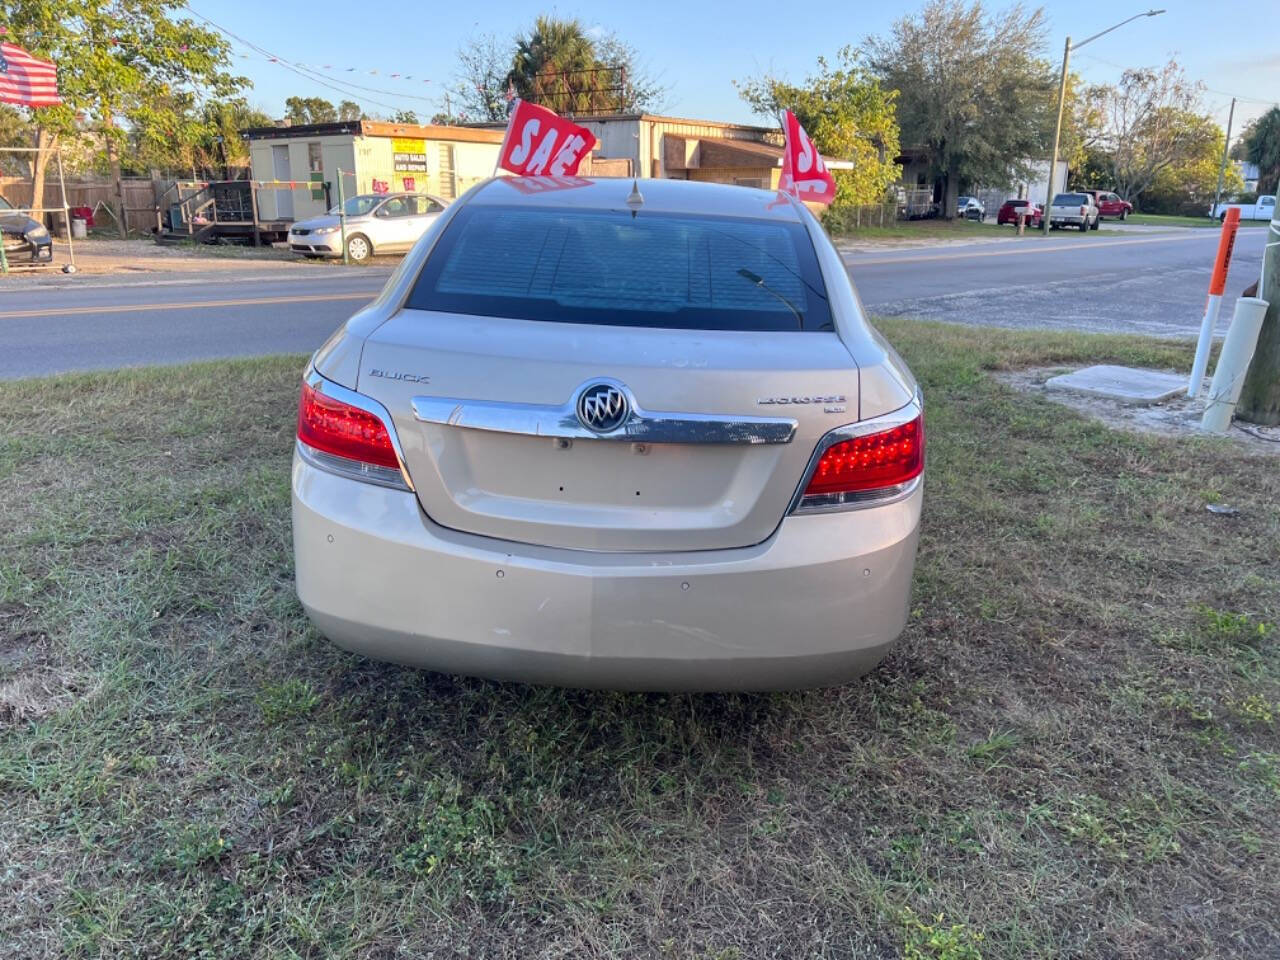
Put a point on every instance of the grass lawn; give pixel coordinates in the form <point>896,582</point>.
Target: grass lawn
<point>1163,220</point>
<point>1074,751</point>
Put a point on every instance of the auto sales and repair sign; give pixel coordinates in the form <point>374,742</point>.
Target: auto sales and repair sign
<point>408,155</point>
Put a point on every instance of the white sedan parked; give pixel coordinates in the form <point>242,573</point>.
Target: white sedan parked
<point>376,223</point>
<point>587,437</point>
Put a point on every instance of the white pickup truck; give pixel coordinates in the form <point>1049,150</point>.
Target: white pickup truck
<point>1073,210</point>
<point>1264,209</point>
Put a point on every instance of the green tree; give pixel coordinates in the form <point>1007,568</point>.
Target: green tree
<point>973,91</point>
<point>848,115</point>
<point>1152,119</point>
<point>1187,185</point>
<point>15,131</point>
<point>1262,146</point>
<point>404,116</point>
<point>554,64</point>
<point>1082,122</point>
<point>301,110</point>
<point>350,110</point>
<point>559,65</point>
<point>641,89</point>
<point>220,144</point>
<point>117,59</point>
<point>161,134</point>
<point>482,80</point>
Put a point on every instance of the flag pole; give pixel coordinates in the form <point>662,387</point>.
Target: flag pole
<point>502,150</point>
<point>66,217</point>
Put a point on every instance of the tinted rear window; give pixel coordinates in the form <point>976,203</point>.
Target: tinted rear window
<point>1070,200</point>
<point>609,268</point>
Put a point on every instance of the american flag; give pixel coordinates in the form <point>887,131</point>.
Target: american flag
<point>26,80</point>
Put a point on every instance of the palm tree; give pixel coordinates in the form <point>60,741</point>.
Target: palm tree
<point>556,65</point>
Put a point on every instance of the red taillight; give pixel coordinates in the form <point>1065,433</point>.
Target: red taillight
<point>343,430</point>
<point>1084,211</point>
<point>872,462</point>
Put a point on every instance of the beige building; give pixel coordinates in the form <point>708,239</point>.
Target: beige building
<point>676,148</point>
<point>373,157</point>
<point>377,157</point>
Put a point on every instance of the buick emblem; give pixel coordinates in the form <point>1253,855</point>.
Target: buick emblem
<point>602,407</point>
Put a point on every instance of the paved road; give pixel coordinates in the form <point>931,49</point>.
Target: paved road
<point>1137,282</point>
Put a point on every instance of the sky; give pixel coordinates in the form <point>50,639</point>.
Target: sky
<point>698,49</point>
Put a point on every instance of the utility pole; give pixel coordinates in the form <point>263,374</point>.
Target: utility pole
<point>1222,167</point>
<point>1062,99</point>
<point>1260,395</point>
<point>1057,135</point>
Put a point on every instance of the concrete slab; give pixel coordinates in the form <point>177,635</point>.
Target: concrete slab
<point>1129,385</point>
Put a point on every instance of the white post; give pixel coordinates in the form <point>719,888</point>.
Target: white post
<point>70,266</point>
<point>1237,351</point>
<point>1217,287</point>
<point>1211,311</point>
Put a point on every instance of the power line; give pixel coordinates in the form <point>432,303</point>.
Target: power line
<point>90,39</point>
<point>348,89</point>
<point>339,86</point>
<point>1221,93</point>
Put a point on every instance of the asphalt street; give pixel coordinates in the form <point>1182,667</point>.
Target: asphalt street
<point>1138,282</point>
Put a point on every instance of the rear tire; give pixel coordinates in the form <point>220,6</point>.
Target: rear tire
<point>1124,215</point>
<point>1096,221</point>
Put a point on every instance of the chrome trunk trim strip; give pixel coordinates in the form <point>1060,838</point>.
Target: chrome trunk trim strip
<point>562,422</point>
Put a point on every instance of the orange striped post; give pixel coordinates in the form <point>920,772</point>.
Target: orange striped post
<point>1217,286</point>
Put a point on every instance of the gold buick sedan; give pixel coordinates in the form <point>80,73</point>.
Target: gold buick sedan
<point>611,434</point>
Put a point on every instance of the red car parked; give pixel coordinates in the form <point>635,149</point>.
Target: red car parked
<point>1109,205</point>
<point>1010,210</point>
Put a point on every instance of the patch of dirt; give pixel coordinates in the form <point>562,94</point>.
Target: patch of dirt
<point>31,685</point>
<point>19,647</point>
<point>1177,417</point>
<point>34,695</point>
<point>856,244</point>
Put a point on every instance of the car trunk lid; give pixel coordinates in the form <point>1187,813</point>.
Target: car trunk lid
<point>721,426</point>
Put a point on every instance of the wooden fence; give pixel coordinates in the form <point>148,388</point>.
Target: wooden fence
<point>140,197</point>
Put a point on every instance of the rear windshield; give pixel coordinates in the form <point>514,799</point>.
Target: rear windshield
<point>1070,200</point>
<point>610,268</point>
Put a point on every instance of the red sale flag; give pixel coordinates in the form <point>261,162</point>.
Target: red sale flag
<point>804,175</point>
<point>540,143</point>
<point>531,186</point>
<point>26,80</point>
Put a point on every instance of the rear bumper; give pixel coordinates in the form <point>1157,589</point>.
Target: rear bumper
<point>818,603</point>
